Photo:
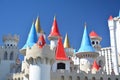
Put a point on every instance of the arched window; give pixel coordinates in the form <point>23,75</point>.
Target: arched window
<point>61,66</point>
<point>70,78</point>
<point>11,55</point>
<point>100,63</point>
<point>78,78</point>
<point>93,78</point>
<point>101,78</point>
<point>5,55</point>
<point>109,79</point>
<point>31,60</point>
<point>38,60</point>
<point>62,77</point>
<point>46,60</point>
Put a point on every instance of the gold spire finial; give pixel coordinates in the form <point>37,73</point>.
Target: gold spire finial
<point>37,25</point>
<point>66,42</point>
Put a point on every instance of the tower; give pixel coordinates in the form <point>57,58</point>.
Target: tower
<point>86,52</point>
<point>9,54</point>
<point>113,28</point>
<point>38,56</point>
<point>95,40</point>
<point>54,34</point>
<point>62,62</point>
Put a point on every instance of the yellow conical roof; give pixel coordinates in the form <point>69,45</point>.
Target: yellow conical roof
<point>37,25</point>
<point>66,42</point>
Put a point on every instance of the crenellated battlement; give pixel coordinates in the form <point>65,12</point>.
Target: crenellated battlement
<point>10,37</point>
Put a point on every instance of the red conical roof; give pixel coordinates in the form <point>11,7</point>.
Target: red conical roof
<point>41,41</point>
<point>110,18</point>
<point>54,30</point>
<point>93,34</point>
<point>95,65</point>
<point>60,53</point>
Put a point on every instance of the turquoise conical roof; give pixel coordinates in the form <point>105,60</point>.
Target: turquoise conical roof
<point>86,44</point>
<point>32,37</point>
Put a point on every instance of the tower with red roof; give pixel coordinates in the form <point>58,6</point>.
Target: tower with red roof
<point>95,40</point>
<point>62,62</point>
<point>54,34</point>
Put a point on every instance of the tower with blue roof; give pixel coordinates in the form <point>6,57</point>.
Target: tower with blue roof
<point>86,53</point>
<point>31,40</point>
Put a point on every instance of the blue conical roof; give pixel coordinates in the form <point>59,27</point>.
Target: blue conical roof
<point>86,44</point>
<point>32,37</point>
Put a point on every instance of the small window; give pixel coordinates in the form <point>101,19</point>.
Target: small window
<point>70,78</point>
<point>60,66</point>
<point>116,78</point>
<point>86,78</point>
<point>101,78</point>
<point>5,55</point>
<point>96,42</point>
<point>109,79</point>
<point>78,78</point>
<point>62,77</point>
<point>93,42</point>
<point>93,78</point>
<point>11,55</point>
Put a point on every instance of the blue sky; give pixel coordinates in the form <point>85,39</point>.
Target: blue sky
<point>16,17</point>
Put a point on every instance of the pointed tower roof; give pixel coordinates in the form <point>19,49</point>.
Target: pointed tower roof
<point>41,41</point>
<point>119,13</point>
<point>60,53</point>
<point>32,37</point>
<point>86,44</point>
<point>95,65</point>
<point>54,31</point>
<point>66,42</point>
<point>37,25</point>
<point>93,34</point>
<point>110,18</point>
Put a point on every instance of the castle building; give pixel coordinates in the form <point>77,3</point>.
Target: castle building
<point>58,61</point>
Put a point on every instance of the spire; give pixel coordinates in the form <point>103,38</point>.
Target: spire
<point>93,34</point>
<point>66,42</point>
<point>60,53</point>
<point>54,31</point>
<point>86,44</point>
<point>95,65</point>
<point>41,41</point>
<point>37,25</point>
<point>110,18</point>
<point>32,37</point>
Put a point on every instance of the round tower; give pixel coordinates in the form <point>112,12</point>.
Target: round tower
<point>54,34</point>
<point>95,40</point>
<point>38,56</point>
<point>39,60</point>
<point>9,54</point>
<point>114,41</point>
<point>86,52</point>
<point>11,47</point>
